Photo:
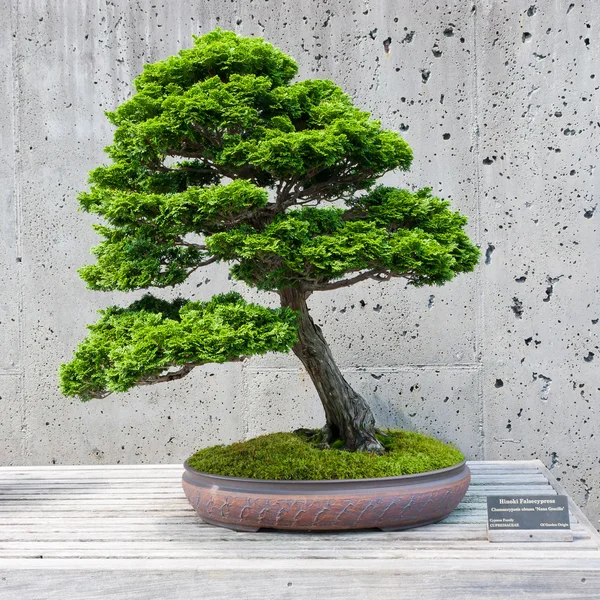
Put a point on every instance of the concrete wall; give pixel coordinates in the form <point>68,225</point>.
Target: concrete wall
<point>499,101</point>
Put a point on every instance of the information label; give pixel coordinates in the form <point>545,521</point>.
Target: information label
<point>528,512</point>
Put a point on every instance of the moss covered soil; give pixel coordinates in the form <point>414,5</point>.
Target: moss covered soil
<point>293,456</point>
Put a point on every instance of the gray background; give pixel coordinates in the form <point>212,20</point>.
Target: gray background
<point>499,102</point>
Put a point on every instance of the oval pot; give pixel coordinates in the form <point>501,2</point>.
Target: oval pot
<point>387,503</point>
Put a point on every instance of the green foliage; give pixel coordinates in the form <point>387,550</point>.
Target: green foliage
<point>222,109</point>
<point>133,345</point>
<point>145,247</point>
<point>413,235</point>
<point>288,456</point>
<point>220,156</point>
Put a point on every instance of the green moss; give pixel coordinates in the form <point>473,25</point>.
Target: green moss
<point>290,456</point>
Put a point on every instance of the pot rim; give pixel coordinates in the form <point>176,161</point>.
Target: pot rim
<point>366,482</point>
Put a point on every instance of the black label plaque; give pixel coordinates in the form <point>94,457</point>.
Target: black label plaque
<point>528,512</point>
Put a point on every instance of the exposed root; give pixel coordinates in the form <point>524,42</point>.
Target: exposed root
<point>322,437</point>
<point>381,432</point>
<point>368,443</point>
<point>364,442</point>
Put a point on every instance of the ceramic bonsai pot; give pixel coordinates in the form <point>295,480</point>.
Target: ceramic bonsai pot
<point>387,503</point>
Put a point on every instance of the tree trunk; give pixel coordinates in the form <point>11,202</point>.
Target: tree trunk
<point>348,416</point>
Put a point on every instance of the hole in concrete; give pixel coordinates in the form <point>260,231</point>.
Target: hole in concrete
<point>517,308</point>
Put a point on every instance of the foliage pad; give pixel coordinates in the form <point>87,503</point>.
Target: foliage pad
<point>134,345</point>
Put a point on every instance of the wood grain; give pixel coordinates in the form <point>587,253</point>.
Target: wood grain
<point>128,532</point>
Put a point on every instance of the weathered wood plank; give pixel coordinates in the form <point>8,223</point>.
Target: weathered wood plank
<point>144,536</point>
<point>118,524</point>
<point>288,543</point>
<point>99,468</point>
<point>143,519</point>
<point>202,532</point>
<point>363,565</point>
<point>310,551</point>
<point>300,584</point>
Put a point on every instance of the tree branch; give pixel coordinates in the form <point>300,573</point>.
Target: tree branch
<point>180,242</point>
<point>162,168</point>
<point>343,282</point>
<point>179,374</point>
<point>164,378</point>
<point>375,274</point>
<point>211,260</point>
<point>99,395</point>
<point>152,379</point>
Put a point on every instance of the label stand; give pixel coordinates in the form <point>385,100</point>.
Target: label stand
<point>529,535</point>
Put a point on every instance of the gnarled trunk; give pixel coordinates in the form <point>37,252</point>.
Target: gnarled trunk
<point>348,416</point>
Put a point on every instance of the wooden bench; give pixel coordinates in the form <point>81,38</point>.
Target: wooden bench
<point>127,532</point>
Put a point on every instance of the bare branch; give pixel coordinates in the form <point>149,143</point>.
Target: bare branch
<point>164,169</point>
<point>152,379</point>
<point>211,260</point>
<point>343,282</point>
<point>380,275</point>
<point>179,374</point>
<point>165,377</point>
<point>99,395</point>
<point>180,242</point>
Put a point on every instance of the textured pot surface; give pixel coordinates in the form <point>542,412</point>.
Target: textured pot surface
<point>388,503</point>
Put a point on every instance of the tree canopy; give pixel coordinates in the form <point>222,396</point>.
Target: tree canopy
<point>219,156</point>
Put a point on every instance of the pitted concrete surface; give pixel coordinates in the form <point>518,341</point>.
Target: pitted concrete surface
<point>497,99</point>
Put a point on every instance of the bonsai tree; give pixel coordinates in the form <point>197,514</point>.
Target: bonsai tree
<point>220,156</point>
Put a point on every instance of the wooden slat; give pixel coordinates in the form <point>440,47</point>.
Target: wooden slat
<point>246,565</point>
<point>135,520</point>
<point>98,579</point>
<point>289,543</point>
<point>183,534</point>
<point>196,530</point>
<point>117,551</point>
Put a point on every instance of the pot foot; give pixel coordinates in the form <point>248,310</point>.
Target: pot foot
<point>231,526</point>
<point>413,526</point>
